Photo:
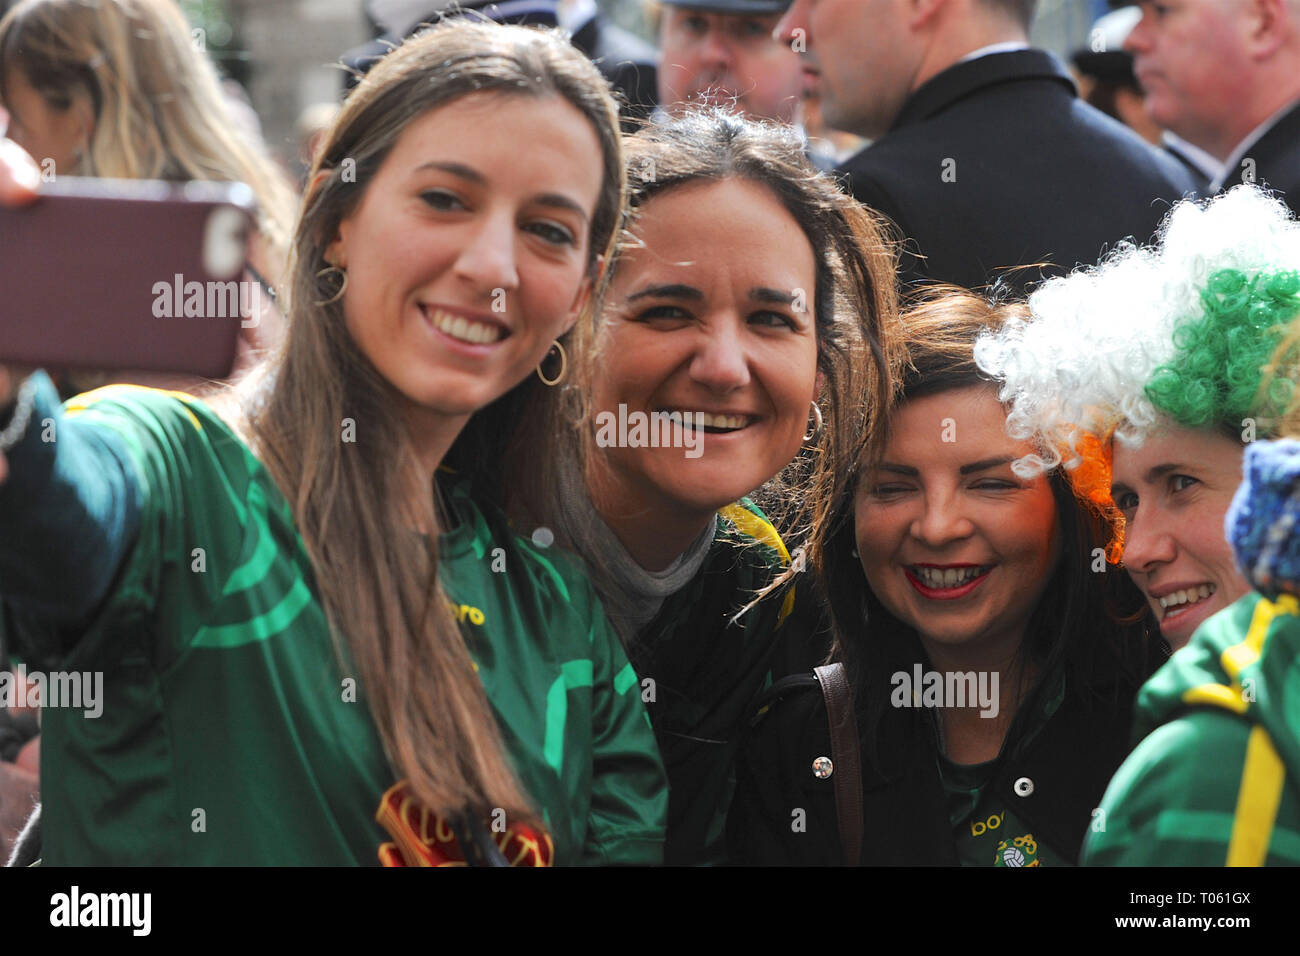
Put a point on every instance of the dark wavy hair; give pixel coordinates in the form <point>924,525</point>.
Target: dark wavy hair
<point>1091,627</point>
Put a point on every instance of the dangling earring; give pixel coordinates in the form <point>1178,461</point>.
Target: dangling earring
<point>343,283</point>
<point>564,365</point>
<point>817,428</point>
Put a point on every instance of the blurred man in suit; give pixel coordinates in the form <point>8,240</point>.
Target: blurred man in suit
<point>1225,76</point>
<point>625,60</point>
<point>983,154</point>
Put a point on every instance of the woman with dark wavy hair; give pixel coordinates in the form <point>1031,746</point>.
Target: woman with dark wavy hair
<point>991,655</point>
<point>747,333</point>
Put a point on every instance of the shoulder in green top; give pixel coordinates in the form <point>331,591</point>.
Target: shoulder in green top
<point>1215,780</point>
<point>229,732</point>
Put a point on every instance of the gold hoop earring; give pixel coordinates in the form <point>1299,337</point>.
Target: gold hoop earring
<point>343,285</point>
<point>817,428</point>
<point>564,365</point>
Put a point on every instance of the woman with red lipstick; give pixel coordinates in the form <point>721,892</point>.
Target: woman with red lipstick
<point>750,313</point>
<point>318,645</point>
<point>991,667</point>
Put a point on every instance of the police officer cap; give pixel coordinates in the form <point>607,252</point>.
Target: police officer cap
<point>731,6</point>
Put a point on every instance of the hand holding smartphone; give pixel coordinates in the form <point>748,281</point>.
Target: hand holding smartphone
<point>126,274</point>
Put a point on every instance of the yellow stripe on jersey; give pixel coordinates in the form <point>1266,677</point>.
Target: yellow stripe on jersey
<point>1240,656</point>
<point>79,403</point>
<point>762,531</point>
<point>1262,778</point>
<point>1216,695</point>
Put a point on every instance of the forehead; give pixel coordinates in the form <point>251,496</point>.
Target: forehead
<point>731,226</point>
<point>951,427</point>
<point>1198,448</point>
<point>488,130</point>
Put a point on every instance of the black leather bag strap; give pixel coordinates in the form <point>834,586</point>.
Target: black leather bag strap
<point>847,757</point>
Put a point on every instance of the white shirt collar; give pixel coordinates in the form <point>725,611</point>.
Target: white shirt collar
<point>1238,154</point>
<point>1209,166</point>
<point>1008,47</point>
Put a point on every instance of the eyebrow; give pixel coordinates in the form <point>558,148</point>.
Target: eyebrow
<point>679,290</point>
<point>472,175</point>
<point>1150,478</point>
<point>984,464</point>
<point>972,468</point>
<point>1159,471</point>
<point>672,290</point>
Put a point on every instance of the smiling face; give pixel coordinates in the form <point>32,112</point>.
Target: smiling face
<point>465,258</point>
<point>952,542</point>
<point>860,55</point>
<point>716,57</point>
<point>1174,491</point>
<point>704,318</point>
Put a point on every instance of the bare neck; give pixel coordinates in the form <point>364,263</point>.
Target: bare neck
<point>957,39</point>
<point>655,531</point>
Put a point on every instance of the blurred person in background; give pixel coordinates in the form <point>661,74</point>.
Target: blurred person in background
<point>982,153</point>
<point>118,90</point>
<point>624,59</point>
<point>1225,76</point>
<point>1104,72</point>
<point>722,52</point>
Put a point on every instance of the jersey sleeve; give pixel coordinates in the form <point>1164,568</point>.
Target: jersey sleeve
<point>135,515</point>
<point>70,510</point>
<point>1173,801</point>
<point>629,800</point>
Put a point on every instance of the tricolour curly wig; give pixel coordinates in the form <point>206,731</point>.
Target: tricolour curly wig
<point>1186,331</point>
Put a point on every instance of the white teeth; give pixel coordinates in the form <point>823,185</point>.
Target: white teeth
<point>705,420</point>
<point>1187,596</point>
<point>939,578</point>
<point>458,327</point>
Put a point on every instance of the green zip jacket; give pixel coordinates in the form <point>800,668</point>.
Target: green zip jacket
<point>1215,780</point>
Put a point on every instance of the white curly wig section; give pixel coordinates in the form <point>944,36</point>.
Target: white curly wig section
<point>1081,362</point>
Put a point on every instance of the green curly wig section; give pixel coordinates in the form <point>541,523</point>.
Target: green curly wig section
<point>1215,375</point>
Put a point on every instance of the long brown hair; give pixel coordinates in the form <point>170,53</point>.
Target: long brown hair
<point>351,501</point>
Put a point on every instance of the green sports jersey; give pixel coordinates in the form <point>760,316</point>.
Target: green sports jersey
<point>1216,778</point>
<point>229,732</point>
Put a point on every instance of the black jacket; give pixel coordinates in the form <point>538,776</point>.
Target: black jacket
<point>1274,160</point>
<point>996,162</point>
<point>1068,763</point>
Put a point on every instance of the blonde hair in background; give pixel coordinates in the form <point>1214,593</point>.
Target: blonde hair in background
<point>159,109</point>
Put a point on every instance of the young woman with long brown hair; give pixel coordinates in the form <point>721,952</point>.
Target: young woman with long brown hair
<point>319,645</point>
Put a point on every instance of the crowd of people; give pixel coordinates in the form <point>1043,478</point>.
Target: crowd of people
<point>824,440</point>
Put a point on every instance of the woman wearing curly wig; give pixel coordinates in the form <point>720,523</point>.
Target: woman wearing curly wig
<point>1214,780</point>
<point>747,332</point>
<point>318,646</point>
<point>990,666</point>
<point>1145,372</point>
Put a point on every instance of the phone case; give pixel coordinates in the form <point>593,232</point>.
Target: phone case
<point>127,274</point>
